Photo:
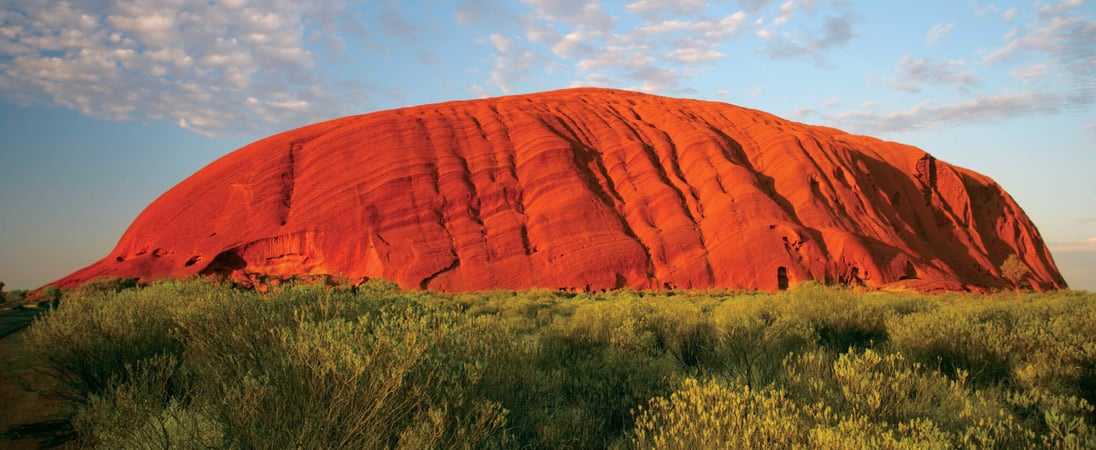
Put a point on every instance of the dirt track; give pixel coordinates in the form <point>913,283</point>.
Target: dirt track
<point>29,418</point>
<point>17,319</point>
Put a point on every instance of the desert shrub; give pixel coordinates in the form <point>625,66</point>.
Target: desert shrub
<point>895,403</point>
<point>889,389</point>
<point>593,369</point>
<point>108,284</point>
<point>146,410</point>
<point>376,286</point>
<point>714,415</point>
<point>88,341</point>
<point>952,341</point>
<point>686,331</point>
<point>331,365</point>
<point>752,345</point>
<point>693,344</point>
<point>1060,422</point>
<point>591,396</point>
<point>50,294</point>
<point>628,325</point>
<point>324,385</point>
<point>396,377</point>
<point>858,432</point>
<point>808,377</point>
<point>1053,346</point>
<point>1038,342</point>
<point>15,296</point>
<point>841,317</point>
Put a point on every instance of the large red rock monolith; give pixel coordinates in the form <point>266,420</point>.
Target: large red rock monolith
<point>582,189</point>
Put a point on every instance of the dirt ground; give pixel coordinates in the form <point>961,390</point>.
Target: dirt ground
<point>29,419</point>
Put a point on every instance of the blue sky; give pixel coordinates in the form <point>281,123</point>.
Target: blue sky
<point>104,105</point>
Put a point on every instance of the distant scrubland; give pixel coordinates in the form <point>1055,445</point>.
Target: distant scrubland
<point>197,364</point>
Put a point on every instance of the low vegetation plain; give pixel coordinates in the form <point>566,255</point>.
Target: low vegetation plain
<point>198,364</point>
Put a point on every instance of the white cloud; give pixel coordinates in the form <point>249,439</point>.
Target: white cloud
<point>753,5</point>
<point>912,73</point>
<point>596,80</point>
<point>631,62</point>
<point>930,114</point>
<point>938,32</point>
<point>981,10</point>
<point>479,91</point>
<point>483,12</point>
<point>541,32</point>
<point>1057,42</point>
<point>1030,72</point>
<point>1056,31</point>
<point>693,55</point>
<point>785,12</point>
<point>212,67</point>
<point>502,43</point>
<point>584,14</point>
<point>654,56</point>
<point>1053,9</point>
<point>656,45</point>
<point>156,29</point>
<point>574,44</point>
<point>803,112</point>
<point>654,8</point>
<point>514,66</point>
<point>836,31</point>
<point>711,29</point>
<point>513,62</point>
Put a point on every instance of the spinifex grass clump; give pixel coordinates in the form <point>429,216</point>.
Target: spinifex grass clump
<point>202,365</point>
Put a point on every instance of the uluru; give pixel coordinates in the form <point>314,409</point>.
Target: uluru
<point>582,189</point>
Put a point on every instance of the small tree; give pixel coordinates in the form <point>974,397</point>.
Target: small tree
<point>1015,270</point>
<point>51,293</point>
<point>3,297</point>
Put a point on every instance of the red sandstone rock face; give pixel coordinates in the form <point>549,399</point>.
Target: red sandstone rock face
<point>582,189</point>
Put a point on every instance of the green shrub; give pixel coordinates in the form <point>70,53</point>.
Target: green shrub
<point>108,284</point>
<point>592,373</point>
<point>1038,342</point>
<point>330,365</point>
<point>952,341</point>
<point>335,383</point>
<point>146,410</point>
<point>841,318</point>
<point>90,339</point>
<point>858,432</point>
<point>752,346</point>
<point>1060,422</point>
<point>712,415</point>
<point>897,404</point>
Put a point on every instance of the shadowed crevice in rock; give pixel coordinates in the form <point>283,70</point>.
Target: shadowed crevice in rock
<point>225,263</point>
